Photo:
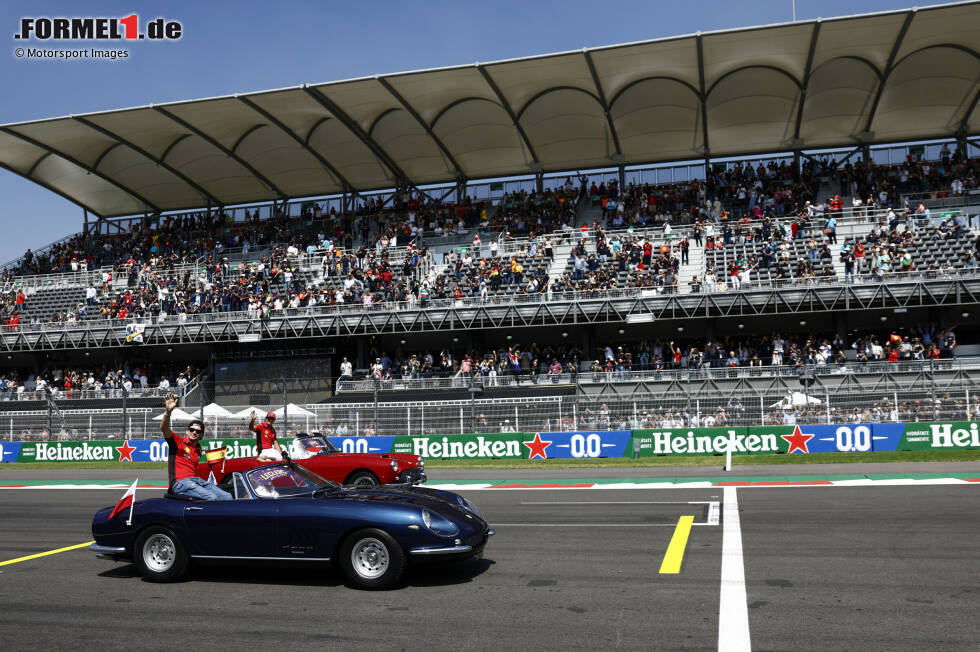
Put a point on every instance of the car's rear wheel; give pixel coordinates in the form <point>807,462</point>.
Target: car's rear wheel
<point>363,479</point>
<point>159,555</point>
<point>372,559</point>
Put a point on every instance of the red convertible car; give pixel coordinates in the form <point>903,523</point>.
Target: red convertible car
<point>323,458</point>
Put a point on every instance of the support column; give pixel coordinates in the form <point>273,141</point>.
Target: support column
<point>962,145</point>
<point>460,190</point>
<point>360,353</point>
<point>622,177</point>
<point>539,181</point>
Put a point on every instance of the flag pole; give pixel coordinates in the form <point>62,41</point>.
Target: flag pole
<point>132,504</point>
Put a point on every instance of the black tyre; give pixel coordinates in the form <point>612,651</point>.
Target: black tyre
<point>363,479</point>
<point>372,559</point>
<point>160,555</point>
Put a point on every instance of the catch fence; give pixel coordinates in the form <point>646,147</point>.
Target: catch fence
<point>650,406</point>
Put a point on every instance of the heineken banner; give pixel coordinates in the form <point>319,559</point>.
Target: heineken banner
<point>936,435</point>
<point>541,445</point>
<point>753,440</point>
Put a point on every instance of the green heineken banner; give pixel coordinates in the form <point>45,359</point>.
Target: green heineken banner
<point>488,446</point>
<point>704,441</point>
<point>936,435</point>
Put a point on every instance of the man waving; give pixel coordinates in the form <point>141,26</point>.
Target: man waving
<point>266,441</point>
<point>185,451</point>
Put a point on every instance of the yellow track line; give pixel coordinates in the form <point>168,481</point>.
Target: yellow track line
<point>45,554</point>
<point>678,543</point>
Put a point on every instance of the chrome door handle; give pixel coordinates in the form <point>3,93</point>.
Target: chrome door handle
<point>193,509</point>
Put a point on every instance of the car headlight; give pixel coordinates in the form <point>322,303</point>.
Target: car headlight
<point>394,465</point>
<point>439,524</point>
<point>468,506</point>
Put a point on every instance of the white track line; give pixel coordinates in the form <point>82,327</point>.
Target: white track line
<point>622,502</point>
<point>733,610</point>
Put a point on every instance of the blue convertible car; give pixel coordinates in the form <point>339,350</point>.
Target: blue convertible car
<point>284,512</point>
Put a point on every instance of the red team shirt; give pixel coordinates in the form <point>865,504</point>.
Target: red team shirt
<point>265,436</point>
<point>182,458</point>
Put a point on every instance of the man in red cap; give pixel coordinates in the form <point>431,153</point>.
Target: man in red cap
<point>265,437</point>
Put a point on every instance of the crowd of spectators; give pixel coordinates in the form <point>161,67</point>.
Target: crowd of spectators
<point>97,381</point>
<point>773,204</point>
<point>784,353</point>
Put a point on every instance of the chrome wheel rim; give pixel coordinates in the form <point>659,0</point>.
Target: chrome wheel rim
<point>159,553</point>
<point>369,558</point>
<point>365,481</point>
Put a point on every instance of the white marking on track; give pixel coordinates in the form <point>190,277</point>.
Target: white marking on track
<point>713,512</point>
<point>733,610</point>
<point>620,502</point>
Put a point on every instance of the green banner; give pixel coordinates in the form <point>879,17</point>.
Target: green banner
<point>705,441</point>
<point>70,451</point>
<point>476,446</point>
<point>939,435</point>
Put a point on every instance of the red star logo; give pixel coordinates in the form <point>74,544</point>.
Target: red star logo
<point>125,452</point>
<point>797,441</point>
<point>538,447</point>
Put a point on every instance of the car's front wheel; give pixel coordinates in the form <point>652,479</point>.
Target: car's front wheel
<point>160,556</point>
<point>363,479</point>
<point>372,559</point>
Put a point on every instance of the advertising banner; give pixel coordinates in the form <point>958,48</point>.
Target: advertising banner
<point>753,440</point>
<point>820,438</point>
<point>524,445</point>
<point>699,441</point>
<point>937,435</point>
<point>10,451</point>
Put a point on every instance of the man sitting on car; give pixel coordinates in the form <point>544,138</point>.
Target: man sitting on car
<point>183,457</point>
<point>265,437</point>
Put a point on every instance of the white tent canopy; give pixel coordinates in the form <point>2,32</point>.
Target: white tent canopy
<point>212,410</point>
<point>177,415</point>
<point>293,410</point>
<point>247,413</point>
<point>832,82</point>
<point>797,399</point>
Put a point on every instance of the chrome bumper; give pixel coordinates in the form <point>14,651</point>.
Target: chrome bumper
<point>107,552</point>
<point>446,550</point>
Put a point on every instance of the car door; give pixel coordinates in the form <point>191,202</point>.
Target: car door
<point>305,530</point>
<point>232,528</point>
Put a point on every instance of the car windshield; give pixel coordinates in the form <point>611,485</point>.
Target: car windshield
<point>315,446</point>
<point>285,480</point>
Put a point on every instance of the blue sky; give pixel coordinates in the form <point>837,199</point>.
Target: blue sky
<point>248,45</point>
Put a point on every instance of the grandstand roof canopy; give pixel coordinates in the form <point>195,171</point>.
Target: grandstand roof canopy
<point>886,77</point>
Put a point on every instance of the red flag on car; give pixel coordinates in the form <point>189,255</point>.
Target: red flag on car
<point>125,501</point>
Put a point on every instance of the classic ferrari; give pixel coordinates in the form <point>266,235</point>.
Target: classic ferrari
<point>324,459</point>
<point>285,513</point>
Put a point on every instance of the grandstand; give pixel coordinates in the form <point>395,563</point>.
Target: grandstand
<point>611,238</point>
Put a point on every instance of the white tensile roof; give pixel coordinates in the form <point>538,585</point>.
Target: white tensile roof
<point>874,78</point>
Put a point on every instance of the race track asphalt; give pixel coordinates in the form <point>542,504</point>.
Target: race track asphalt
<point>871,568</point>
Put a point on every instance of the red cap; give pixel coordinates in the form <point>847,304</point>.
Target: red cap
<point>271,415</point>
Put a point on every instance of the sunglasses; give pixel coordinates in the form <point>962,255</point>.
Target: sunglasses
<point>197,430</point>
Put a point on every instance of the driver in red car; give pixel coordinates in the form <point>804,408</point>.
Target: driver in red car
<point>182,459</point>
<point>265,437</point>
